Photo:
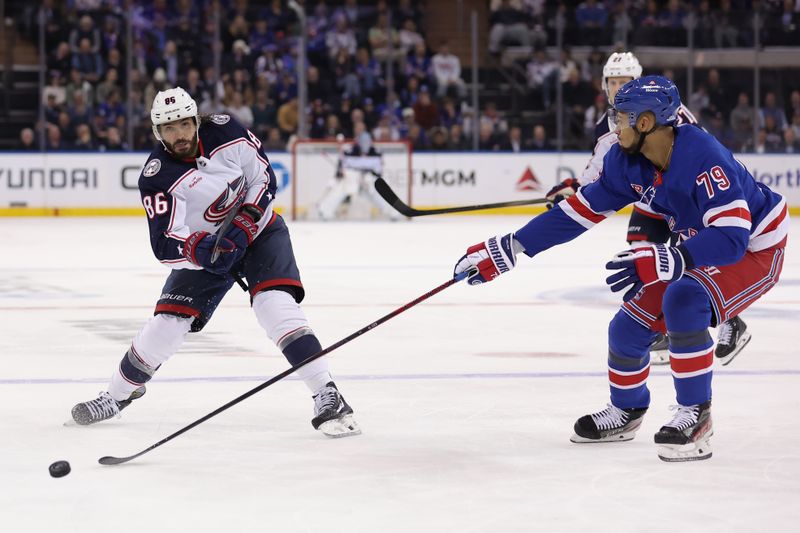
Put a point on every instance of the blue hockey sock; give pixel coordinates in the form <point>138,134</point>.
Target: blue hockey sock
<point>687,312</point>
<point>134,369</point>
<point>315,374</point>
<point>301,348</point>
<point>628,362</point>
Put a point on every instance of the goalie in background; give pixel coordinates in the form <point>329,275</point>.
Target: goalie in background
<point>352,189</point>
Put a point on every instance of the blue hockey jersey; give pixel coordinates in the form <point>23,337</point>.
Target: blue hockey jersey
<point>183,196</point>
<point>706,196</point>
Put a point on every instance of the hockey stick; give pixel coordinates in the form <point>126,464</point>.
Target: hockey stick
<point>223,228</point>
<point>389,195</point>
<point>110,460</point>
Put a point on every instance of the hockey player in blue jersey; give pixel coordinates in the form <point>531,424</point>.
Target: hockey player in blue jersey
<point>645,226</point>
<point>733,233</point>
<point>205,168</point>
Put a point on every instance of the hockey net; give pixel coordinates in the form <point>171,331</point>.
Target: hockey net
<point>314,172</point>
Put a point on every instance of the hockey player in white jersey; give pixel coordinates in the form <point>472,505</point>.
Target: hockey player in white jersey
<point>356,169</point>
<point>205,168</point>
<point>645,227</point>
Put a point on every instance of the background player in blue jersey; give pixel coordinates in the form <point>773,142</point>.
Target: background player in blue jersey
<point>732,230</point>
<point>645,226</point>
<point>205,168</point>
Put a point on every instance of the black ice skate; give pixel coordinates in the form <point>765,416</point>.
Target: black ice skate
<point>332,415</point>
<point>732,338</point>
<point>103,408</point>
<point>686,436</point>
<point>659,350</point>
<point>612,424</point>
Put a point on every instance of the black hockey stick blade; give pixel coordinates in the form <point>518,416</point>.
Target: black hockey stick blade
<point>109,460</point>
<point>223,228</point>
<point>389,195</point>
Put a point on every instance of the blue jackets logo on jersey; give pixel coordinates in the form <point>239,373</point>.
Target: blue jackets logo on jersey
<point>152,168</point>
<point>226,201</point>
<point>220,119</point>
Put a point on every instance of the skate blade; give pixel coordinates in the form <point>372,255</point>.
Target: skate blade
<point>659,357</point>
<point>341,427</point>
<point>693,451</point>
<point>743,341</point>
<point>619,437</point>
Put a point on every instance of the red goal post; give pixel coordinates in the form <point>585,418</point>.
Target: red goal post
<point>314,165</point>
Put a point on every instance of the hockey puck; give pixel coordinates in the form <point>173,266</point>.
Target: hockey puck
<point>60,469</point>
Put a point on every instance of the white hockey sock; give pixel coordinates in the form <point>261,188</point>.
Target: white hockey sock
<point>286,325</point>
<point>156,342</point>
<point>315,374</point>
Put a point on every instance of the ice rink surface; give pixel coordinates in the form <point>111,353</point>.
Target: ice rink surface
<point>466,402</point>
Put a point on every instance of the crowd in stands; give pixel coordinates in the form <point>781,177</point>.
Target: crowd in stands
<point>721,106</point>
<point>371,65</point>
<point>719,24</point>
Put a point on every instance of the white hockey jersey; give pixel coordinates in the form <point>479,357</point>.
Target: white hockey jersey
<point>184,196</point>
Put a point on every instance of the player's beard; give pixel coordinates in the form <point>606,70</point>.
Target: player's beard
<point>635,146</point>
<point>183,148</point>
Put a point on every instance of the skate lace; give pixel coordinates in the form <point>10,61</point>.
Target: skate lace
<point>686,416</point>
<point>725,333</point>
<point>103,407</point>
<point>326,399</point>
<point>610,417</point>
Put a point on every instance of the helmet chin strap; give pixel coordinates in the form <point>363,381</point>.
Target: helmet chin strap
<point>642,135</point>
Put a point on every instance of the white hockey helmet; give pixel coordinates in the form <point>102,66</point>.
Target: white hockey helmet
<point>172,104</point>
<point>619,65</point>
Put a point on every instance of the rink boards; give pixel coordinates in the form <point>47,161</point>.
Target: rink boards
<point>106,184</point>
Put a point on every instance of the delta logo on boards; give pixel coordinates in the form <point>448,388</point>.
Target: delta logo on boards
<point>528,181</point>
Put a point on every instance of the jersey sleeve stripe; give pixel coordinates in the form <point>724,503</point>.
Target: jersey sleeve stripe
<point>237,141</point>
<point>173,209</point>
<point>226,145</point>
<point>736,218</point>
<point>732,222</point>
<point>730,209</point>
<point>258,155</point>
<point>175,236</point>
<point>577,208</point>
<point>736,212</point>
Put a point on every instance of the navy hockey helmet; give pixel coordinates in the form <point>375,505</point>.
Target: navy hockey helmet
<point>656,94</point>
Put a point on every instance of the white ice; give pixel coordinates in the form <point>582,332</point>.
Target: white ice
<point>466,401</point>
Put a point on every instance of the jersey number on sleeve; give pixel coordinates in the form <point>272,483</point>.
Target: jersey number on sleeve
<point>253,138</point>
<point>715,175</point>
<point>155,204</point>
